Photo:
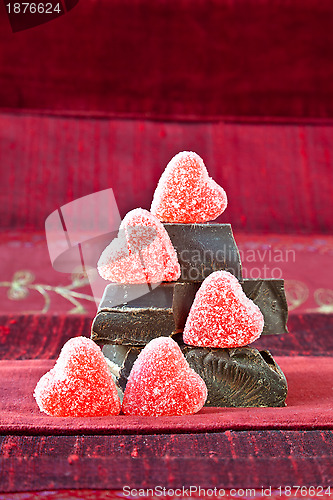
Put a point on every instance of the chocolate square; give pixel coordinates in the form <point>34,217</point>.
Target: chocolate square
<point>203,249</point>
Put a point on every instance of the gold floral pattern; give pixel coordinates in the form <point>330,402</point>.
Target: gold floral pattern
<point>297,293</point>
<point>23,282</point>
<point>324,299</point>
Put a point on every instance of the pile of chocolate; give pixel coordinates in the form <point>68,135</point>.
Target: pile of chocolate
<point>158,290</point>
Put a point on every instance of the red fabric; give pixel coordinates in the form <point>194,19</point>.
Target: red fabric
<point>278,178</point>
<point>42,336</point>
<point>230,459</point>
<point>30,285</point>
<point>309,405</point>
<point>174,59</point>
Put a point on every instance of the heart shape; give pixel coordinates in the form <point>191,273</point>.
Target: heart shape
<point>185,193</point>
<point>142,252</point>
<point>162,383</point>
<point>221,315</point>
<point>79,385</point>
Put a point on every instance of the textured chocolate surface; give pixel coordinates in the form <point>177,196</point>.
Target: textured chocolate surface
<point>135,322</point>
<point>164,309</point>
<point>131,326</point>
<point>203,249</point>
<point>120,296</point>
<point>269,296</point>
<point>242,377</point>
<point>239,377</point>
<point>120,359</point>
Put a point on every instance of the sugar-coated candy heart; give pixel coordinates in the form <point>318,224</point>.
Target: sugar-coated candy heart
<point>185,193</point>
<point>80,384</point>
<point>162,383</point>
<point>221,315</point>
<point>142,252</point>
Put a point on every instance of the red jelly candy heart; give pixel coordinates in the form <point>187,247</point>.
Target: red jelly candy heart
<point>142,252</point>
<point>185,193</point>
<point>221,315</point>
<point>162,383</point>
<point>79,385</point>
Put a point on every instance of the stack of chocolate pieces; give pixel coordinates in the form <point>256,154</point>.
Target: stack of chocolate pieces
<point>132,312</point>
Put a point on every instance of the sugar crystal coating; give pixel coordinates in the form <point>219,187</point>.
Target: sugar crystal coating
<point>142,252</point>
<point>185,193</point>
<point>221,315</point>
<point>79,385</point>
<point>162,383</point>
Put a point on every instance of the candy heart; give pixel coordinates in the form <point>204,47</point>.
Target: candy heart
<point>162,383</point>
<point>142,252</point>
<point>221,315</point>
<point>79,385</point>
<point>185,192</point>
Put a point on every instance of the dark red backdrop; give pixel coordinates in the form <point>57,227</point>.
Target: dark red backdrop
<point>278,177</point>
<point>175,59</point>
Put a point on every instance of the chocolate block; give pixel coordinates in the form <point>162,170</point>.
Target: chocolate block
<point>120,360</point>
<point>138,321</point>
<point>203,249</point>
<point>242,377</point>
<point>164,309</point>
<point>239,377</point>
<point>270,297</point>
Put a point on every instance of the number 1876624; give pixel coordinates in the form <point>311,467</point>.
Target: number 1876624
<point>32,8</point>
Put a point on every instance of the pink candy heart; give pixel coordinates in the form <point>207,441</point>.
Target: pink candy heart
<point>185,193</point>
<point>79,385</point>
<point>221,315</point>
<point>142,252</point>
<point>162,383</point>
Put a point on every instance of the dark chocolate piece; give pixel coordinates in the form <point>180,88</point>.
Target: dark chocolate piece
<point>120,360</point>
<point>242,377</point>
<point>203,249</point>
<point>137,322</point>
<point>121,296</point>
<point>239,377</point>
<point>269,296</point>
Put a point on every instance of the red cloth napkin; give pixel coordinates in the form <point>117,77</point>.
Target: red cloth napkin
<point>309,405</point>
